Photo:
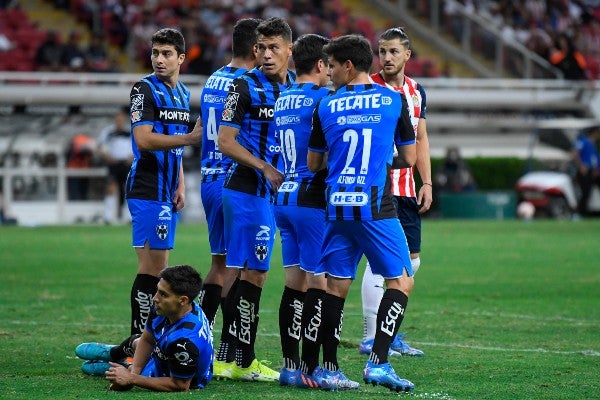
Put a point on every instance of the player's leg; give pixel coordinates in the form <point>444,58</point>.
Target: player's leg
<point>153,234</point>
<point>410,219</point>
<point>210,295</point>
<point>294,291</point>
<point>389,257</point>
<point>110,200</point>
<point>250,227</point>
<point>371,294</point>
<point>341,254</point>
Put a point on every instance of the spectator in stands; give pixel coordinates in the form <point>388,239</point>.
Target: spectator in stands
<point>96,55</point>
<point>587,161</point>
<point>568,58</point>
<point>79,155</point>
<point>73,56</point>
<point>454,175</point>
<point>49,55</point>
<point>115,149</point>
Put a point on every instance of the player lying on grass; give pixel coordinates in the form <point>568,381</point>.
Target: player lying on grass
<point>175,351</point>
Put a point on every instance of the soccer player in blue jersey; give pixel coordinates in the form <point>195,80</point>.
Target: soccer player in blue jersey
<point>174,353</point>
<point>300,210</point>
<point>356,127</point>
<point>155,189</point>
<point>247,134</point>
<point>214,169</point>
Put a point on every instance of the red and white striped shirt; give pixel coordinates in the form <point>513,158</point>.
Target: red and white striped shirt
<point>403,180</point>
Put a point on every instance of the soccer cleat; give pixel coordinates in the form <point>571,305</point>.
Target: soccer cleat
<point>366,346</point>
<point>403,348</point>
<point>299,379</point>
<point>94,351</point>
<point>312,381</point>
<point>397,348</point>
<point>384,375</point>
<point>99,367</point>
<point>256,372</point>
<point>337,381</point>
<point>94,368</point>
<point>288,377</point>
<point>222,370</point>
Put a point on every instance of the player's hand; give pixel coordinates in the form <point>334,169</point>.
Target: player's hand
<point>425,198</point>
<point>178,200</point>
<point>195,137</point>
<point>119,377</point>
<point>274,176</point>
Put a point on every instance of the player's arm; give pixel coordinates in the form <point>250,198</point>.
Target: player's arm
<point>121,379</point>
<point>197,130</point>
<point>142,111</point>
<point>316,159</point>
<point>146,139</point>
<point>118,375</point>
<point>423,164</point>
<point>231,148</point>
<point>179,196</point>
<point>404,139</point>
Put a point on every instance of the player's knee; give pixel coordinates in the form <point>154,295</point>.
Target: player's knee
<point>415,263</point>
<point>407,284</point>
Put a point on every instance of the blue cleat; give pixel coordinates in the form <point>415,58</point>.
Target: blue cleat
<point>401,347</point>
<point>94,351</point>
<point>95,368</point>
<point>397,348</point>
<point>288,377</point>
<point>336,380</point>
<point>366,346</point>
<point>310,381</point>
<point>384,375</point>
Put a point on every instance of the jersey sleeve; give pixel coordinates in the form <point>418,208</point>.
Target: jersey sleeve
<point>183,357</point>
<point>141,104</point>
<point>421,90</point>
<point>317,142</point>
<point>237,103</point>
<point>405,134</point>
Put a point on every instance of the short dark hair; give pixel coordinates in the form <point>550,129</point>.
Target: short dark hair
<point>169,36</point>
<point>396,33</point>
<point>183,279</point>
<point>275,26</point>
<point>244,37</point>
<point>307,51</point>
<point>354,48</point>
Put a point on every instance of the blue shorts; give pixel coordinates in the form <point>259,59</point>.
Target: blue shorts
<point>381,241</point>
<point>249,230</point>
<point>211,194</point>
<point>301,230</point>
<point>153,222</point>
<point>410,219</point>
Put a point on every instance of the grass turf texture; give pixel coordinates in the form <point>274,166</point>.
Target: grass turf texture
<point>503,310</point>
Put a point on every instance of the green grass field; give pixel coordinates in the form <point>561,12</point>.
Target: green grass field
<point>503,310</point>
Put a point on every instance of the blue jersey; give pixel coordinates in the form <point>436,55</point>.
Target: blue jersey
<point>249,108</point>
<point>154,175</point>
<point>358,126</point>
<point>293,115</point>
<point>184,349</point>
<point>214,163</point>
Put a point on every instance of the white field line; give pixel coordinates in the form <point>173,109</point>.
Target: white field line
<point>586,352</point>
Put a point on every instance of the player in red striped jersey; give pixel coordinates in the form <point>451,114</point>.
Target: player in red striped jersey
<point>394,52</point>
